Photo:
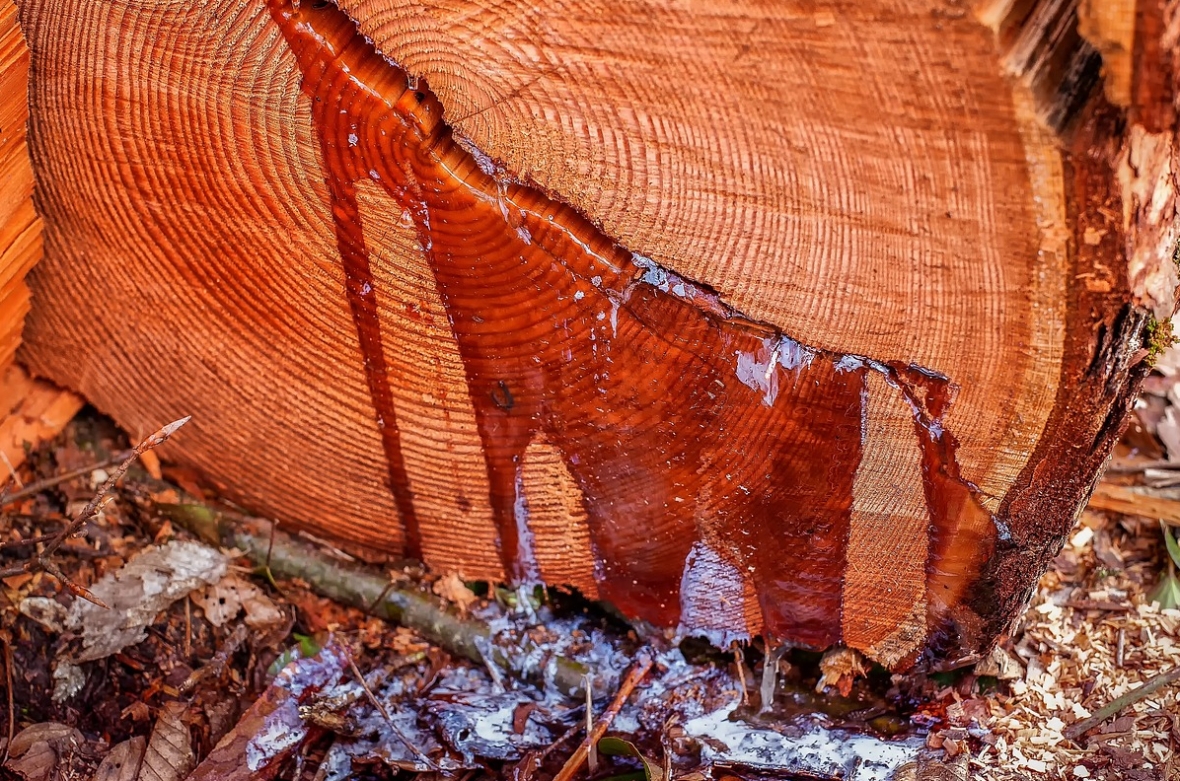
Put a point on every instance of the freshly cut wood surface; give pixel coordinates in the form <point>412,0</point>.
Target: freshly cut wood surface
<point>30,410</point>
<point>20,229</point>
<point>809,320</point>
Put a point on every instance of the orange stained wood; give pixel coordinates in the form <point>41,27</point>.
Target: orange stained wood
<point>20,229</point>
<point>715,455</point>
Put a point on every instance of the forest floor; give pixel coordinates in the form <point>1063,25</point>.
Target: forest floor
<point>207,665</point>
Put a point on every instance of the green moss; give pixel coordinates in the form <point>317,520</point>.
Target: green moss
<point>1159,337</point>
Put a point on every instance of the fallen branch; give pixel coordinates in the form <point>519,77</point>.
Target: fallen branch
<point>1118,468</point>
<point>376,703</point>
<point>1075,731</point>
<point>7,640</point>
<point>360,586</point>
<point>216,665</point>
<point>41,561</point>
<point>364,587</point>
<point>1130,500</point>
<point>634,675</point>
<point>32,489</point>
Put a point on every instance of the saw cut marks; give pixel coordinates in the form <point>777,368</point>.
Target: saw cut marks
<point>745,316</point>
<point>693,433</point>
<point>20,229</point>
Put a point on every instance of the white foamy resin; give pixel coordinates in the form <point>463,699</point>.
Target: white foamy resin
<point>711,596</point>
<point>818,750</point>
<point>526,547</point>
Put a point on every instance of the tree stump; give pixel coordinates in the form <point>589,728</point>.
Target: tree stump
<point>810,319</point>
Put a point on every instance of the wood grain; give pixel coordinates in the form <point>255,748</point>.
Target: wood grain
<point>767,168</point>
<point>20,229</point>
<point>31,412</point>
<point>541,310</point>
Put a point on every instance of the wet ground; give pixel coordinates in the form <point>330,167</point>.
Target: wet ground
<point>207,666</point>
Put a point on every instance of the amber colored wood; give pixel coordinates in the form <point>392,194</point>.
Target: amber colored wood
<point>811,320</point>
<point>20,228</point>
<point>31,411</point>
<point>1129,501</point>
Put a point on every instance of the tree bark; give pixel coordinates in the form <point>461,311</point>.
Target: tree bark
<point>808,319</point>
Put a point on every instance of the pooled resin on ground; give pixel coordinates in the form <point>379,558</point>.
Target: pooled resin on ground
<point>703,443</point>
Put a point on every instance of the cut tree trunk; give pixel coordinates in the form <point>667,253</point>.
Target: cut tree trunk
<point>20,230</point>
<point>30,409</point>
<point>811,319</point>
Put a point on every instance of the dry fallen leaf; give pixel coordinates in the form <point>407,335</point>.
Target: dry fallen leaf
<point>169,755</point>
<point>151,462</point>
<point>272,729</point>
<point>223,600</point>
<point>45,611</point>
<point>137,592</point>
<point>452,588</point>
<point>123,761</point>
<point>35,751</point>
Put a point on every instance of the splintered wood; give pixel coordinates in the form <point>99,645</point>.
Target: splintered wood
<point>31,411</point>
<point>739,326</point>
<point>20,229</point>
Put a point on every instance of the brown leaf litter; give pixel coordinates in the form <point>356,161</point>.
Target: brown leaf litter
<point>203,671</point>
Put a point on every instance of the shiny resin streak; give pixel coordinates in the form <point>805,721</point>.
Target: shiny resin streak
<point>683,423</point>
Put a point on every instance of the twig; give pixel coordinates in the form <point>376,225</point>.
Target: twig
<point>270,578</point>
<point>770,675</point>
<point>569,733</point>
<point>30,541</point>
<point>41,560</point>
<point>11,470</point>
<point>376,703</point>
<point>74,588</point>
<point>592,756</point>
<point>634,675</point>
<point>1130,500</point>
<point>11,702</point>
<point>35,488</point>
<point>362,587</point>
<point>1092,604</point>
<point>217,664</point>
<point>1130,469</point>
<point>740,660</point>
<point>1074,731</point>
<point>497,679</point>
<point>380,598</point>
<point>188,627</point>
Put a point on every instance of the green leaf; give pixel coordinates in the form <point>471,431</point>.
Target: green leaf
<point>617,747</point>
<point>305,647</point>
<point>1167,593</point>
<point>1170,541</point>
<point>308,647</point>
